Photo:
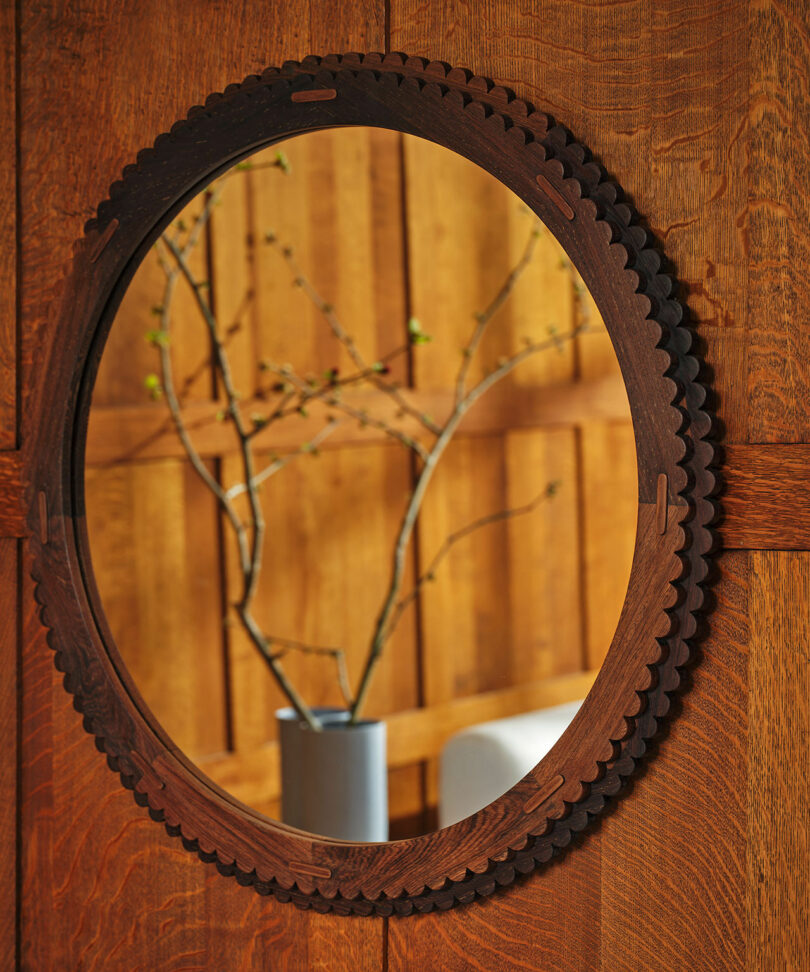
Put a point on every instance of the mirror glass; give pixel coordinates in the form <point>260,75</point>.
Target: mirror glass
<point>360,478</point>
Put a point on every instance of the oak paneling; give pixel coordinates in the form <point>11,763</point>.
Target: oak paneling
<point>8,227</point>
<point>700,111</point>
<point>9,697</point>
<point>674,853</point>
<point>13,510</point>
<point>766,501</point>
<point>777,898</point>
<point>778,211</point>
<point>550,922</point>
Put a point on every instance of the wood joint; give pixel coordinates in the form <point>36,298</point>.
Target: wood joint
<point>543,794</point>
<point>103,240</point>
<point>314,94</point>
<point>310,870</point>
<point>555,196</point>
<point>42,508</point>
<point>661,503</point>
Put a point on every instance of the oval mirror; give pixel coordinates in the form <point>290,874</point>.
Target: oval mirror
<point>359,449</point>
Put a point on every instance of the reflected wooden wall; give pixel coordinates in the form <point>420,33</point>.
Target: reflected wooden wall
<point>520,613</point>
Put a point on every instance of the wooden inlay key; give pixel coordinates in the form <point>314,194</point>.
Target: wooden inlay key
<point>314,94</point>
<point>311,870</point>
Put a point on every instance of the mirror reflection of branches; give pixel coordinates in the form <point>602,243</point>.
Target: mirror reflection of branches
<point>360,448</point>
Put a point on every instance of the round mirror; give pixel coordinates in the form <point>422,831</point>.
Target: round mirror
<point>361,484</point>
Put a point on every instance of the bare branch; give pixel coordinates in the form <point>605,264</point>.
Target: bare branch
<point>250,560</point>
<point>280,462</point>
<point>484,317</point>
<point>286,645</point>
<point>453,539</point>
<point>408,521</point>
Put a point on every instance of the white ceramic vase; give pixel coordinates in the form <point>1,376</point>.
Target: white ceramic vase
<point>334,783</point>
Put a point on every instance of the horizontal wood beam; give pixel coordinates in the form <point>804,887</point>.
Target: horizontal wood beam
<point>13,513</point>
<point>137,432</point>
<point>413,736</point>
<point>766,500</point>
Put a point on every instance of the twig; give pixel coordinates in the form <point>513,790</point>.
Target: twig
<point>363,417</point>
<point>414,504</point>
<point>279,463</point>
<point>331,318</point>
<point>485,316</point>
<point>453,539</point>
<point>338,654</point>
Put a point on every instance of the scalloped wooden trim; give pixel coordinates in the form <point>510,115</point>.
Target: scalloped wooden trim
<point>556,807</point>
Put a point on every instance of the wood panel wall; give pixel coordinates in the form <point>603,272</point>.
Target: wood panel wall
<point>383,226</point>
<point>701,111</point>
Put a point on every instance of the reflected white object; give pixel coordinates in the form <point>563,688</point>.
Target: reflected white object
<point>481,763</point>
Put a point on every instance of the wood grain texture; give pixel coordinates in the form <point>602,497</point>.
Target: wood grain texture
<point>766,503</point>
<point>8,227</point>
<point>777,896</point>
<point>550,923</point>
<point>9,700</point>
<point>594,66</point>
<point>13,512</point>
<point>777,214</point>
<point>658,92</point>
<point>674,853</point>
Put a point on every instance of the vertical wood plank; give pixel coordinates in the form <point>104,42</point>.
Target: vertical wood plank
<point>778,212</point>
<point>609,497</point>
<point>778,895</point>
<point>673,854</point>
<point>545,589</point>
<point>9,806</point>
<point>8,227</point>
<point>153,536</point>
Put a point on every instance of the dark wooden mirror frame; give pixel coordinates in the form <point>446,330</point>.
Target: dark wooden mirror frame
<point>631,696</point>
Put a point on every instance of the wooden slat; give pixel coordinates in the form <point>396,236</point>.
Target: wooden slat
<point>129,433</point>
<point>153,533</point>
<point>13,512</point>
<point>252,776</point>
<point>609,496</point>
<point>9,701</point>
<point>766,501</point>
<point>674,852</point>
<point>776,219</point>
<point>8,228</point>
<point>778,893</point>
<point>544,584</point>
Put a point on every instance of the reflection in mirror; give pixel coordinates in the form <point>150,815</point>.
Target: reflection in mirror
<point>361,478</point>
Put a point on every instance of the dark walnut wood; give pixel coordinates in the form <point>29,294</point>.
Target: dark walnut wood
<point>659,624</point>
